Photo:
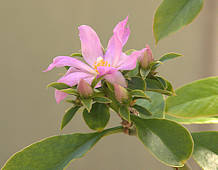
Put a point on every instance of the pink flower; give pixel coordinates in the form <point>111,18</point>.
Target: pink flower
<point>99,63</point>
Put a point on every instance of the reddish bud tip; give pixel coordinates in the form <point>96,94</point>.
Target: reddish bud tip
<point>121,93</point>
<point>84,89</point>
<point>146,58</point>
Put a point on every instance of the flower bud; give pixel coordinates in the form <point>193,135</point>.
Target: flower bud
<point>84,89</point>
<point>146,57</point>
<point>121,93</point>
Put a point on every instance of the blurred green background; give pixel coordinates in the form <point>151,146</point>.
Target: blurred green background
<point>33,32</point>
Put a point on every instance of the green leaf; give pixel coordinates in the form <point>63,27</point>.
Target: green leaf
<point>70,91</point>
<point>156,106</point>
<point>69,115</point>
<point>98,117</point>
<point>76,55</point>
<point>102,100</point>
<point>87,103</point>
<point>136,83</point>
<point>198,120</point>
<point>54,153</point>
<point>168,141</point>
<point>206,149</point>
<point>185,167</point>
<point>134,72</point>
<point>197,99</point>
<point>124,112</point>
<point>173,15</point>
<point>139,93</point>
<point>142,110</point>
<point>160,85</point>
<point>59,86</point>
<point>169,56</point>
<point>129,52</point>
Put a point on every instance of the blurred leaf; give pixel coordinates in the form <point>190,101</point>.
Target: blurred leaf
<point>199,120</point>
<point>76,55</point>
<point>58,86</point>
<point>69,115</point>
<point>98,117</point>
<point>87,103</point>
<point>139,93</point>
<point>142,110</point>
<point>156,106</point>
<point>70,91</point>
<point>206,149</point>
<point>168,141</point>
<point>136,83</point>
<point>169,56</point>
<point>173,15</point>
<point>54,153</point>
<point>196,99</point>
<point>102,100</point>
<point>129,52</point>
<point>124,112</point>
<point>185,167</point>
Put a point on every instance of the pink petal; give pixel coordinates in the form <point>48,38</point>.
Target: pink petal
<point>90,44</point>
<point>102,70</point>
<point>116,78</point>
<point>71,79</point>
<point>128,62</point>
<point>62,61</point>
<point>122,31</point>
<point>114,50</point>
<point>60,96</point>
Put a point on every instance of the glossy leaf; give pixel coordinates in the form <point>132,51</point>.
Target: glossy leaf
<point>124,112</point>
<point>69,115</point>
<point>136,83</point>
<point>198,120</point>
<point>169,56</point>
<point>139,93</point>
<point>70,91</point>
<point>59,86</point>
<point>206,149</point>
<point>98,117</point>
<point>168,141</point>
<point>54,153</point>
<point>197,99</point>
<point>142,110</point>
<point>87,103</point>
<point>156,106</point>
<point>102,100</point>
<point>173,15</point>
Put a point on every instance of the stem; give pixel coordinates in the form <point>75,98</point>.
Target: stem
<point>110,131</point>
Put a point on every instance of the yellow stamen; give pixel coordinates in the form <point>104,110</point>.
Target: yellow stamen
<point>100,62</point>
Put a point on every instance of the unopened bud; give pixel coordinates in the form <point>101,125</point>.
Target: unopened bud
<point>84,89</point>
<point>146,58</point>
<point>121,93</point>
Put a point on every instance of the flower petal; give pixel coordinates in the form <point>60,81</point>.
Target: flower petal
<point>90,44</point>
<point>71,79</point>
<point>116,78</point>
<point>122,31</point>
<point>114,50</point>
<point>102,70</point>
<point>128,62</point>
<point>62,61</point>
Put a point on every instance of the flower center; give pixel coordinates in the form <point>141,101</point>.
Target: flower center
<point>100,62</point>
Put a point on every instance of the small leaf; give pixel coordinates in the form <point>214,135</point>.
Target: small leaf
<point>139,93</point>
<point>136,83</point>
<point>98,117</point>
<point>206,149</point>
<point>54,153</point>
<point>102,100</point>
<point>142,110</point>
<point>68,116</point>
<point>168,141</point>
<point>59,86</point>
<point>196,99</point>
<point>129,52</point>
<point>169,56</point>
<point>173,15</point>
<point>144,72</point>
<point>185,167</point>
<point>124,112</point>
<point>198,120</point>
<point>76,55</point>
<point>134,72</point>
<point>70,91</point>
<point>156,106</point>
<point>87,103</point>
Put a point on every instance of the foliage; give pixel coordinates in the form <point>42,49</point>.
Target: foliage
<point>148,107</point>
